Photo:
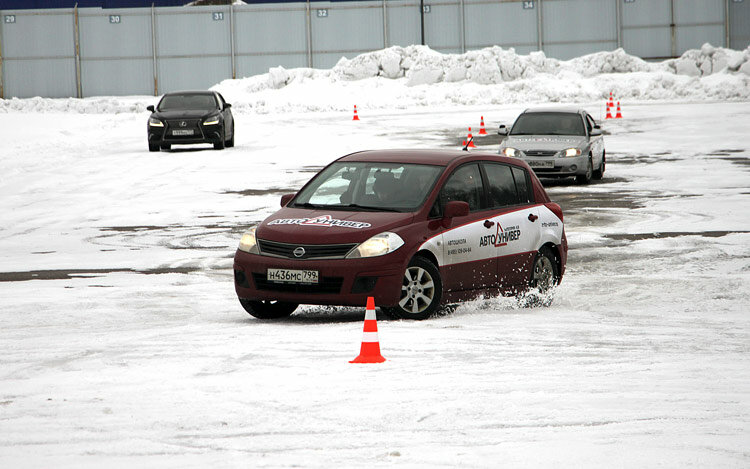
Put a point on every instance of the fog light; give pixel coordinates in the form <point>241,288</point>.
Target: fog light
<point>573,168</point>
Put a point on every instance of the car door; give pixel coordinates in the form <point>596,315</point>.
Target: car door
<point>516,231</point>
<point>469,260</point>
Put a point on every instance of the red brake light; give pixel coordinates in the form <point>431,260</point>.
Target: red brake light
<point>556,209</point>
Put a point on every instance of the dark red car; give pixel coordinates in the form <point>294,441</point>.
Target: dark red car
<point>413,228</point>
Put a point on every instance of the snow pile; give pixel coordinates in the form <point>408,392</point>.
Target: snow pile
<point>414,76</point>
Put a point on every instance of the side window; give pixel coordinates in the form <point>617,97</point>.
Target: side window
<point>221,100</point>
<point>590,123</point>
<point>522,186</point>
<point>465,184</point>
<point>502,188</point>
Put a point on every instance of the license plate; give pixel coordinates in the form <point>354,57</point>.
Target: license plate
<point>541,163</point>
<point>292,276</point>
<point>182,132</point>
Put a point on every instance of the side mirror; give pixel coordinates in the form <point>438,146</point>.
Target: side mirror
<point>596,131</point>
<point>150,108</point>
<point>455,208</point>
<point>227,105</point>
<point>502,130</point>
<point>286,198</point>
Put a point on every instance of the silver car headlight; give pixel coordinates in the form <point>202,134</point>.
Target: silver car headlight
<point>248,243</point>
<point>571,152</point>
<point>511,152</point>
<point>154,122</point>
<point>378,245</point>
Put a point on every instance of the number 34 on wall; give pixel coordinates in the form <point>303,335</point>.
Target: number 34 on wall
<point>528,5</point>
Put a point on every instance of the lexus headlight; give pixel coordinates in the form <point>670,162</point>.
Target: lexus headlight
<point>213,120</point>
<point>248,243</point>
<point>511,152</point>
<point>378,245</point>
<point>154,122</point>
<point>570,152</point>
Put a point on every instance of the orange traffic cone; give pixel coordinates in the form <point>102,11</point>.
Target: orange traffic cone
<point>356,117</point>
<point>609,113</point>
<point>370,350</point>
<point>619,114</point>
<point>470,139</point>
<point>482,130</point>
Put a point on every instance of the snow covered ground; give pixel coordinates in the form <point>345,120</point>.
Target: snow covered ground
<point>122,343</point>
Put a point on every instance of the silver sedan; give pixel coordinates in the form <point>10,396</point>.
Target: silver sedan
<point>557,142</point>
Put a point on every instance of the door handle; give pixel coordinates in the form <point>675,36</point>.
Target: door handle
<point>532,217</point>
<point>489,224</point>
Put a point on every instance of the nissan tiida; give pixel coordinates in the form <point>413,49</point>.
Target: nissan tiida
<point>415,229</point>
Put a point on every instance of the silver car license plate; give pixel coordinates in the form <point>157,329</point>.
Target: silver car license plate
<point>182,132</point>
<point>541,163</point>
<point>292,276</point>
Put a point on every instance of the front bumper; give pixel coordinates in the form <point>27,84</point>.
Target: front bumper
<point>201,134</point>
<point>563,167</point>
<point>344,282</point>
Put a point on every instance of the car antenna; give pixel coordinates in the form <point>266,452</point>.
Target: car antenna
<point>466,148</point>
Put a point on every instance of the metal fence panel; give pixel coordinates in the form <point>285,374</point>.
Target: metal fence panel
<point>38,54</point>
<point>739,24</point>
<point>442,27</point>
<point>575,27</point>
<point>505,24</point>
<point>698,22</point>
<point>269,36</point>
<point>403,23</point>
<point>348,29</point>
<point>645,28</point>
<point>116,52</point>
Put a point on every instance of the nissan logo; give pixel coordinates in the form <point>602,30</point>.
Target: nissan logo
<point>183,124</point>
<point>299,252</point>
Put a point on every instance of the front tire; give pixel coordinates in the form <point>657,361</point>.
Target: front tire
<point>586,177</point>
<point>230,143</point>
<point>421,291</point>
<point>152,147</point>
<point>599,173</point>
<point>268,309</point>
<point>220,144</point>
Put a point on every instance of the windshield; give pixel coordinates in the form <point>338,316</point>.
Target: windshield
<point>399,187</point>
<point>548,123</point>
<point>174,102</point>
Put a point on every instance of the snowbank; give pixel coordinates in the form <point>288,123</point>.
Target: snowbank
<point>414,76</point>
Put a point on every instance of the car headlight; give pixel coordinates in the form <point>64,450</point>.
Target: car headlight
<point>570,152</point>
<point>154,122</point>
<point>378,245</point>
<point>248,243</point>
<point>511,152</point>
<point>213,120</point>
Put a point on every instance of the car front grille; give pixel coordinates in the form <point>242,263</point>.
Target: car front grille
<point>183,124</point>
<point>326,285</point>
<point>540,152</point>
<point>311,251</point>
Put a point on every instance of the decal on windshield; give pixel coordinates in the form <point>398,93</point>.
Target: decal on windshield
<point>325,220</point>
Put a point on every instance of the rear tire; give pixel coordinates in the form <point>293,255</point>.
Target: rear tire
<point>545,275</point>
<point>152,147</point>
<point>421,291</point>
<point>268,309</point>
<point>599,173</point>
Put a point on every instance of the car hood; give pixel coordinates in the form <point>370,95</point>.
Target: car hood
<point>544,142</point>
<point>185,114</point>
<point>307,226</point>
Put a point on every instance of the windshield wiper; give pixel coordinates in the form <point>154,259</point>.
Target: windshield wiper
<point>309,205</point>
<point>366,207</point>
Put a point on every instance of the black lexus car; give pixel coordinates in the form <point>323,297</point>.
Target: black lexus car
<point>186,117</point>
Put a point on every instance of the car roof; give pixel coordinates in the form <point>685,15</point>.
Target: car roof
<point>436,157</point>
<point>190,92</point>
<point>566,110</point>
